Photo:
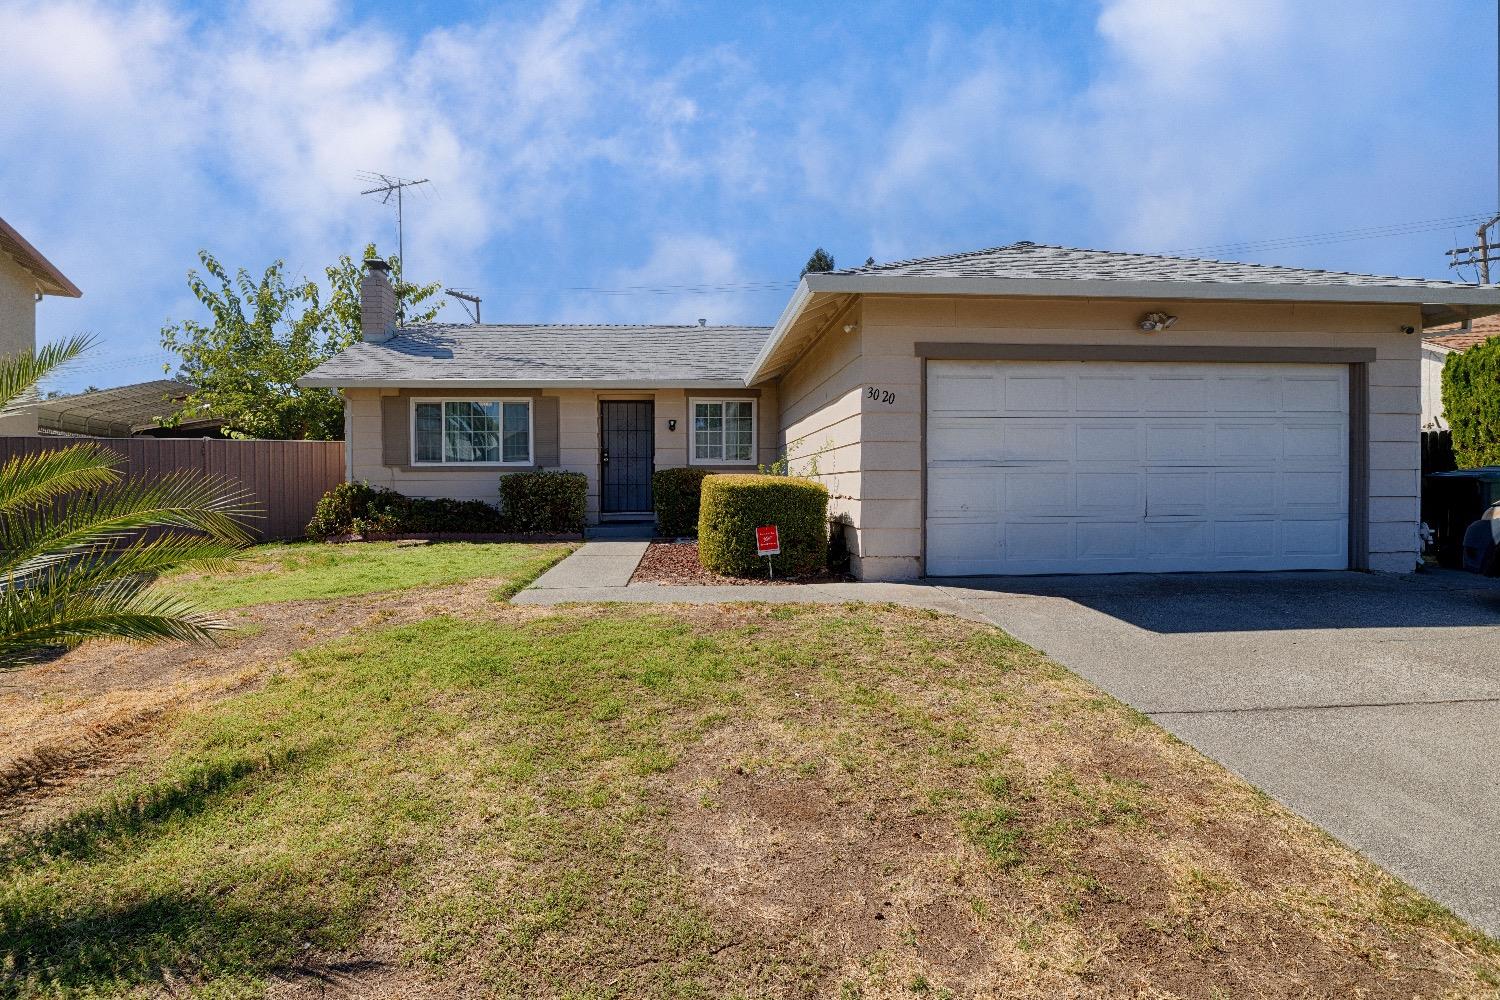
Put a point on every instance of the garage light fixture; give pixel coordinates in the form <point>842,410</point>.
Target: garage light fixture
<point>1156,322</point>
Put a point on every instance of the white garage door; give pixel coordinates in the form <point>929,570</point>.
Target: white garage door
<point>1110,467</point>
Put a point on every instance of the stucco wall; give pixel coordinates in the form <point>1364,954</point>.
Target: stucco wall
<point>821,418</point>
<point>578,440</point>
<point>17,329</point>
<point>879,470</point>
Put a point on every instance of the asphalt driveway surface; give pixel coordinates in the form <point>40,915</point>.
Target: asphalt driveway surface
<point>1369,704</point>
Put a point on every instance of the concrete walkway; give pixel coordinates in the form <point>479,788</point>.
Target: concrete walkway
<point>1366,703</point>
<point>604,566</point>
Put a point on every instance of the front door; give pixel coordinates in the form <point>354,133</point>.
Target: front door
<point>628,446</point>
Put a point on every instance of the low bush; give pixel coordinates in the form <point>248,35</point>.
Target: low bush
<point>676,494</point>
<point>362,509</point>
<point>733,506</point>
<point>544,501</point>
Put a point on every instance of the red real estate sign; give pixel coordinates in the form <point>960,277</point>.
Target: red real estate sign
<point>767,541</point>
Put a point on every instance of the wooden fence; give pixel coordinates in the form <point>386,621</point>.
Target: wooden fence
<point>286,477</point>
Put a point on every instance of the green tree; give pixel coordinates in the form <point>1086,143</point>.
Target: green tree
<point>821,260</point>
<point>73,562</point>
<point>264,334</point>
<point>1471,403</point>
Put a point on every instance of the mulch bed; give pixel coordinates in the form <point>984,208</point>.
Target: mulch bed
<point>456,536</point>
<point>676,563</point>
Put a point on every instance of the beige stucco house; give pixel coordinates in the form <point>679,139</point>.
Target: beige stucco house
<point>25,276</point>
<point>1026,409</point>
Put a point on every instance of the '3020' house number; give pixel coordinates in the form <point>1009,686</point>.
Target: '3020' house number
<point>885,396</point>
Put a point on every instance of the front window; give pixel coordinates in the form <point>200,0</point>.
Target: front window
<point>485,431</point>
<point>724,431</point>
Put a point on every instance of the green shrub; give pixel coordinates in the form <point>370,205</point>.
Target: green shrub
<point>676,493</point>
<point>545,501</point>
<point>733,506</point>
<point>362,509</point>
<point>339,508</point>
<point>1471,403</point>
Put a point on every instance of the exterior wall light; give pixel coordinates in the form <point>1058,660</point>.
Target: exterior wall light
<point>671,425</point>
<point>1156,322</point>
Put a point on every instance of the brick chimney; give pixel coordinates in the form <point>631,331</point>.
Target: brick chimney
<point>377,302</point>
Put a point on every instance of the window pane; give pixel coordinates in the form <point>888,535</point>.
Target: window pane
<point>517,446</point>
<point>471,432</point>
<point>738,431</point>
<point>429,424</point>
<point>708,431</point>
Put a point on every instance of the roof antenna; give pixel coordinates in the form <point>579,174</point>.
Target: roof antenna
<point>466,300</point>
<point>385,186</point>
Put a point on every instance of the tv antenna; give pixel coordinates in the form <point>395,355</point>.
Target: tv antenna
<point>385,186</point>
<point>466,299</point>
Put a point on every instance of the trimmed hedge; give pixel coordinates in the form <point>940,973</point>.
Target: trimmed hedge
<point>733,506</point>
<point>1471,403</point>
<point>545,501</point>
<point>676,494</point>
<point>362,509</point>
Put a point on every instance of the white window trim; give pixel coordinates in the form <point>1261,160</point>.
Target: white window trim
<point>692,444</point>
<point>411,421</point>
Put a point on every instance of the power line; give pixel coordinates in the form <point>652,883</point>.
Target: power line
<point>1342,235</point>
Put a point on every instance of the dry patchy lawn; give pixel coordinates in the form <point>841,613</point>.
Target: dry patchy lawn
<point>726,801</point>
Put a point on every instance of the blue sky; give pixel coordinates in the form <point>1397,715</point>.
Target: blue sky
<point>661,162</point>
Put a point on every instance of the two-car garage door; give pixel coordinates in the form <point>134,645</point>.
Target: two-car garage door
<point>1108,467</point>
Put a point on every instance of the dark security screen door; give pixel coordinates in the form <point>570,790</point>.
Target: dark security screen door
<point>629,443</point>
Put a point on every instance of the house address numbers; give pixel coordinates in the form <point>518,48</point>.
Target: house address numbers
<point>885,396</point>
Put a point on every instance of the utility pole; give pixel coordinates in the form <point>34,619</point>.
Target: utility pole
<point>1487,251</point>
<point>385,186</point>
<point>466,299</point>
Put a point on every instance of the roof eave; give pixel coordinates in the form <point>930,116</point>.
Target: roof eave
<point>50,280</point>
<point>907,284</point>
<point>784,323</point>
<point>633,384</point>
<point>1454,303</point>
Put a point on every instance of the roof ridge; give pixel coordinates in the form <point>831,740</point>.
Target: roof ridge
<point>1182,258</point>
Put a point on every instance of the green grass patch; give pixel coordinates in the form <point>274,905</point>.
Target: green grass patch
<point>267,574</point>
<point>511,808</point>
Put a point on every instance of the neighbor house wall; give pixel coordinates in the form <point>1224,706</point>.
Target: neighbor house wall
<point>17,330</point>
<point>879,468</point>
<point>577,438</point>
<point>1433,360</point>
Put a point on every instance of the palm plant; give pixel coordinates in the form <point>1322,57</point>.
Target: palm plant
<point>81,544</point>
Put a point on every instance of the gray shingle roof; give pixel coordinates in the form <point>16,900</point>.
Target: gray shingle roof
<point>548,355</point>
<point>1037,261</point>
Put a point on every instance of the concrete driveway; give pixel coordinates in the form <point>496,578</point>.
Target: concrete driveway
<point>1369,704</point>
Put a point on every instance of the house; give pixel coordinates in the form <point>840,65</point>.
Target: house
<point>25,276</point>
<point>1437,345</point>
<point>125,411</point>
<point>1023,409</point>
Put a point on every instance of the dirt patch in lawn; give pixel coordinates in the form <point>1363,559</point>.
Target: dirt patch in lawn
<point>84,714</point>
<point>951,832</point>
<point>676,564</point>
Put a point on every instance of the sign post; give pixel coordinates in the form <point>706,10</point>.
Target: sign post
<point>768,544</point>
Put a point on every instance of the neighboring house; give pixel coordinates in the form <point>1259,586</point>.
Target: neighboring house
<point>1439,342</point>
<point>1025,409</point>
<point>25,276</point>
<point>125,411</point>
